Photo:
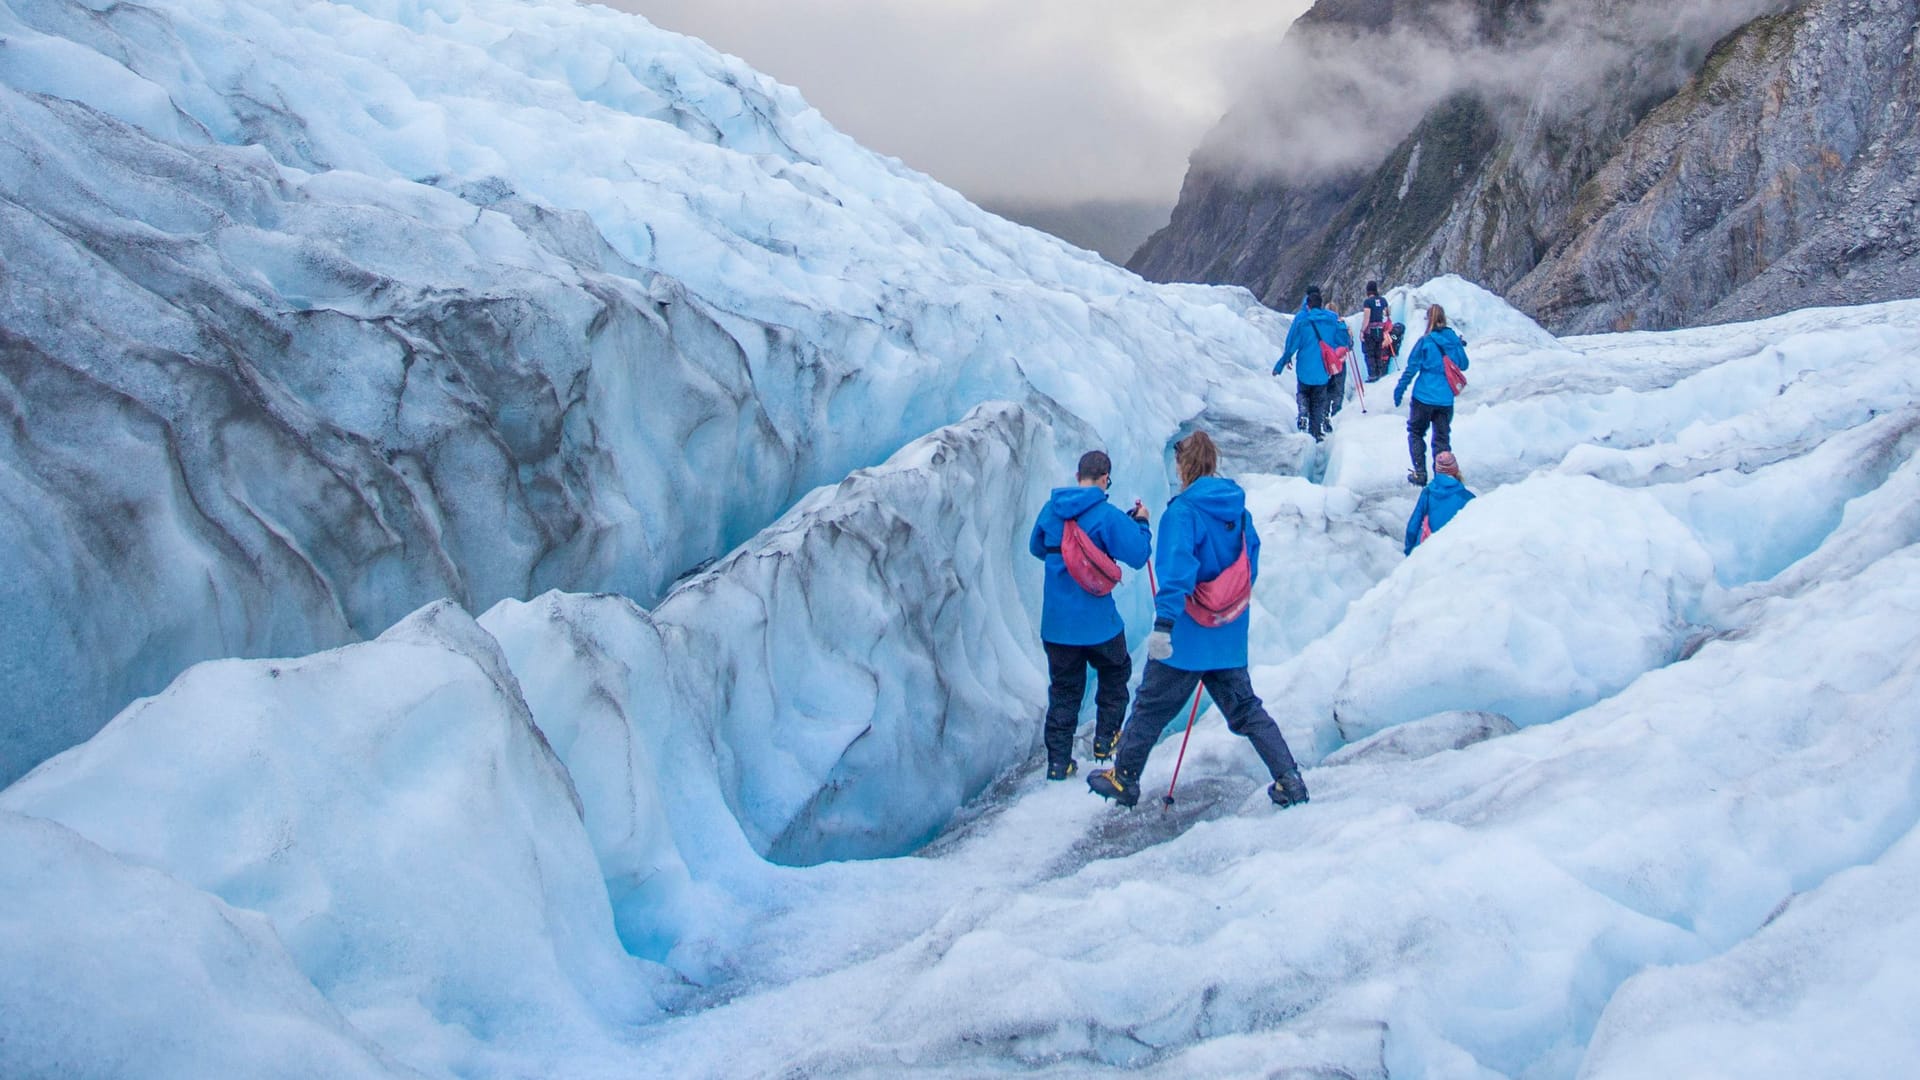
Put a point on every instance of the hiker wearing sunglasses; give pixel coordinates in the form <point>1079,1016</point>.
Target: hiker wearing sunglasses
<point>1208,557</point>
<point>1083,538</point>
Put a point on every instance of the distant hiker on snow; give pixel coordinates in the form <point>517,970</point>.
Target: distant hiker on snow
<point>1439,501</point>
<point>1316,337</point>
<point>1433,388</point>
<point>1079,535</point>
<point>1376,333</point>
<point>1208,558</point>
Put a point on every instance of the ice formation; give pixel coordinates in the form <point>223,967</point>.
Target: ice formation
<point>322,311</point>
<point>730,434</point>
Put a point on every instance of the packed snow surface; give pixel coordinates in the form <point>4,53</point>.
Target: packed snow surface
<point>316,312</point>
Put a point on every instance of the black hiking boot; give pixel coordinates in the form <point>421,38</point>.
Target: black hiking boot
<point>1418,478</point>
<point>1109,784</point>
<point>1103,748</point>
<point>1061,772</point>
<point>1288,790</point>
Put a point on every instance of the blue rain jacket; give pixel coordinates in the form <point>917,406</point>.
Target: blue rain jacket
<point>1069,614</point>
<point>1311,327</point>
<point>1200,536</point>
<point>1441,499</point>
<point>1425,371</point>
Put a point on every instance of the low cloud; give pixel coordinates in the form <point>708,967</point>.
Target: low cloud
<point>1010,101</point>
<point>1338,98</point>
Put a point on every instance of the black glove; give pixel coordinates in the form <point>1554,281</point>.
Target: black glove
<point>1138,513</point>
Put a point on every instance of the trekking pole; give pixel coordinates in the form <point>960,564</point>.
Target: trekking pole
<point>1167,802</point>
<point>1360,384</point>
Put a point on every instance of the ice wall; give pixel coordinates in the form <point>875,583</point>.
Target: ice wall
<point>313,313</point>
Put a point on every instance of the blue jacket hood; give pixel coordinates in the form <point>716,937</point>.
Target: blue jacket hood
<point>1446,486</point>
<point>1324,320</point>
<point>1071,502</point>
<point>1218,498</point>
<point>1447,338</point>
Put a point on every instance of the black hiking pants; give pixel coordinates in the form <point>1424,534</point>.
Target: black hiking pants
<point>1313,401</point>
<point>1373,343</point>
<point>1419,418</point>
<point>1166,690</point>
<point>1067,667</point>
<point>1337,391</point>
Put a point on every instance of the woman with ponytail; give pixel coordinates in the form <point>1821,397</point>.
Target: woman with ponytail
<point>1208,556</point>
<point>1432,391</point>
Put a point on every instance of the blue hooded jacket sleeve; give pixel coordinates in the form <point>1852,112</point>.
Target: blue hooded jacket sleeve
<point>1412,369</point>
<point>1413,523</point>
<point>1178,566</point>
<point>1121,536</point>
<point>1296,339</point>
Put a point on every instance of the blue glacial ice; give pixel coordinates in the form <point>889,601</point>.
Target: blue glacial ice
<point>722,435</point>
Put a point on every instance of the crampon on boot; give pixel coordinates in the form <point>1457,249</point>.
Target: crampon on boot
<point>1061,772</point>
<point>1109,784</point>
<point>1289,790</point>
<point>1417,477</point>
<point>1104,746</point>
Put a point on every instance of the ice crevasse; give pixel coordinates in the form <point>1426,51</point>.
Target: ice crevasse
<point>345,307</point>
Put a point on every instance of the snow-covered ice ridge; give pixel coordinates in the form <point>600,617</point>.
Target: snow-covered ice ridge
<point>1617,776</point>
<point>314,312</point>
<point>1675,833</point>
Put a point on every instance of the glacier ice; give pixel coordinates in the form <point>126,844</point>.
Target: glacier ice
<point>387,807</point>
<point>315,313</point>
<point>324,311</point>
<point>1706,778</point>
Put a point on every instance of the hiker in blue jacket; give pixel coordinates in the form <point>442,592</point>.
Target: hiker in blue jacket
<point>1439,501</point>
<point>1311,328</point>
<point>1432,394</point>
<point>1077,628</point>
<point>1202,533</point>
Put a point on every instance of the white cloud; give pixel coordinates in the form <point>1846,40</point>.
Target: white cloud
<point>1056,101</point>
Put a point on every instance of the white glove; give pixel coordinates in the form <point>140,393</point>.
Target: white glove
<point>1159,645</point>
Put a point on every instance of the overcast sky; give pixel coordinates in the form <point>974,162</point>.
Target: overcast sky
<point>1052,101</point>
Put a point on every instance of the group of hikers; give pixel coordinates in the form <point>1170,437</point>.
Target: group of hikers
<point>1207,559</point>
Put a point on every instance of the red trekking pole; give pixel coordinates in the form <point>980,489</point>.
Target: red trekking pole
<point>1166,803</point>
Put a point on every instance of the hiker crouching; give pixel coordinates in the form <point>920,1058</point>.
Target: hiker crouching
<point>1080,536</point>
<point>1209,556</point>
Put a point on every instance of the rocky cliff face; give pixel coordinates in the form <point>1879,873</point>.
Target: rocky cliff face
<point>1786,174</point>
<point>1618,173</point>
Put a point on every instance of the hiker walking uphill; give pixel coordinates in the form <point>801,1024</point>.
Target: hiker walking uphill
<point>1317,336</point>
<point>1080,536</point>
<point>1208,558</point>
<point>1376,336</point>
<point>1434,386</point>
<point>1438,502</point>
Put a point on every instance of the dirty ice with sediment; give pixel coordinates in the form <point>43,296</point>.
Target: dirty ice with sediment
<point>541,518</point>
